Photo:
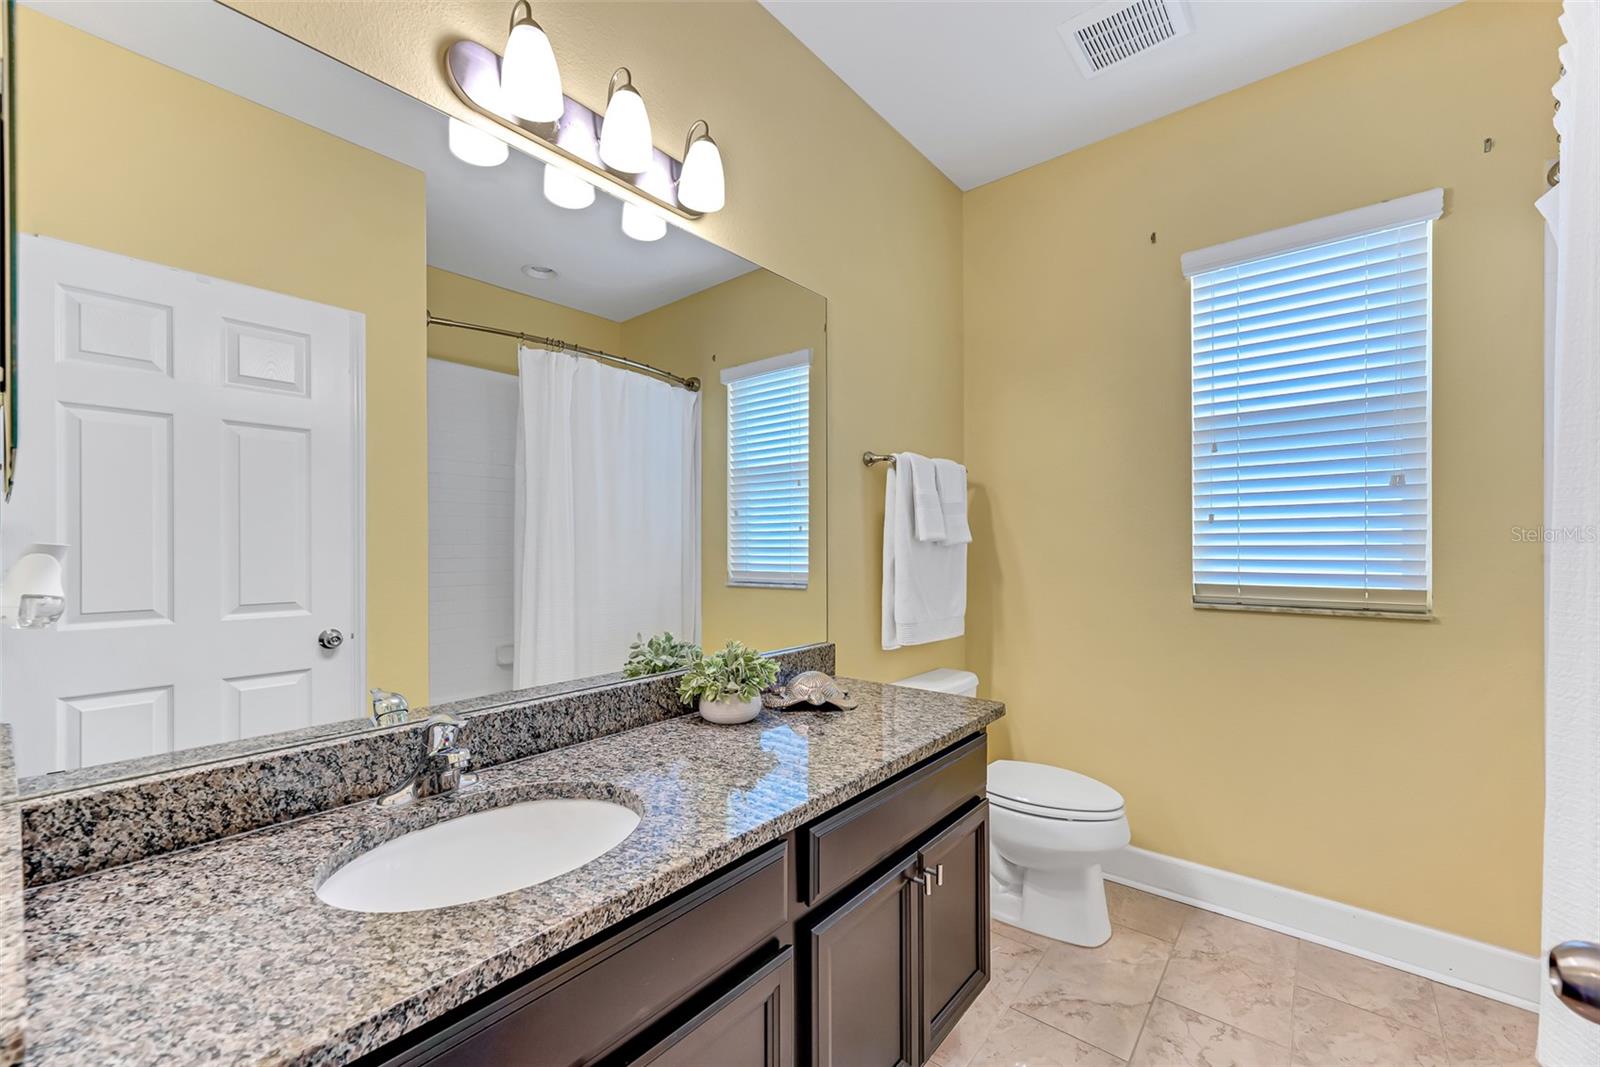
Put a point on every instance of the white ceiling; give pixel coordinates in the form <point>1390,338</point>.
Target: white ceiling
<point>485,223</point>
<point>988,89</point>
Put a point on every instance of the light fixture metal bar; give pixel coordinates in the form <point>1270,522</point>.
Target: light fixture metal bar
<point>691,384</point>
<point>468,63</point>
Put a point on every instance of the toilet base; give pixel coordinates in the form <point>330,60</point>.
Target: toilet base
<point>1067,905</point>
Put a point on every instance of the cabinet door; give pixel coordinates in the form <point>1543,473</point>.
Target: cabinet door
<point>863,976</point>
<point>954,927</point>
<point>751,1025</point>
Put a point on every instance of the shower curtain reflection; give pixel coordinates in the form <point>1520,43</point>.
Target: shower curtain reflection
<point>606,537</point>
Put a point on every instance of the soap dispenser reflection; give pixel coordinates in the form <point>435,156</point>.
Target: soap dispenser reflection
<point>31,596</point>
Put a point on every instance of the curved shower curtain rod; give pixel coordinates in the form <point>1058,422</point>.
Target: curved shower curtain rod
<point>691,384</point>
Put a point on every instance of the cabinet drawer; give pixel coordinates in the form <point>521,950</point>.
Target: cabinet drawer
<point>590,1004</point>
<point>846,844</point>
<point>749,1025</point>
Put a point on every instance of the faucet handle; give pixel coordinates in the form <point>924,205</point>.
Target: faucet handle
<point>389,709</point>
<point>443,730</point>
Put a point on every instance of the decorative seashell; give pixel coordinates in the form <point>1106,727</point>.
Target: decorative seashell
<point>810,687</point>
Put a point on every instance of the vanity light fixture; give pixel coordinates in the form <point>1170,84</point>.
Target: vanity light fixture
<point>568,187</point>
<point>565,189</point>
<point>581,146</point>
<point>472,145</point>
<point>700,183</point>
<point>530,82</point>
<point>641,223</point>
<point>625,141</point>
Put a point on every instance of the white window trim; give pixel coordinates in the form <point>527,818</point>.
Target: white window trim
<point>763,579</point>
<point>1418,207</point>
<point>801,358</point>
<point>1426,206</point>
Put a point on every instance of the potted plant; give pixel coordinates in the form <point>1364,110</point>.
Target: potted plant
<point>662,653</point>
<point>728,683</point>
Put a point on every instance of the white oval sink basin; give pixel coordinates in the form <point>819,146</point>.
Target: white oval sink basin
<point>478,856</point>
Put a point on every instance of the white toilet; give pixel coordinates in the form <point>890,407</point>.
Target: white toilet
<point>1049,830</point>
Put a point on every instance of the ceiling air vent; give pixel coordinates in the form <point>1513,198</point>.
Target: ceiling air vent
<point>1116,32</point>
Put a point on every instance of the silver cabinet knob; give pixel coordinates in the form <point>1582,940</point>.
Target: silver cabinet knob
<point>330,638</point>
<point>1575,977</point>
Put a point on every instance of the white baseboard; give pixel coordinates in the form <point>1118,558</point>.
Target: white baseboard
<point>1487,970</point>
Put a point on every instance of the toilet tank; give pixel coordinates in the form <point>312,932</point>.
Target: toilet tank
<point>944,680</point>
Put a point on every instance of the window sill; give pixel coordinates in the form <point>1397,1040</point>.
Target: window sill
<point>1349,613</point>
<point>798,587</point>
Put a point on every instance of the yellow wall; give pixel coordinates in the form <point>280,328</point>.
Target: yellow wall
<point>453,296</point>
<point>1391,765</point>
<point>1394,766</point>
<point>751,317</point>
<point>194,177</point>
<point>821,191</point>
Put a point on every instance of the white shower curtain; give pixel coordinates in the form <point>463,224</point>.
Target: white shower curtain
<point>607,524</point>
<point>1572,599</point>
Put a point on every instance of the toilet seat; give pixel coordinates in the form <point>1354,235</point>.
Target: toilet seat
<point>1060,814</point>
<point>1047,792</point>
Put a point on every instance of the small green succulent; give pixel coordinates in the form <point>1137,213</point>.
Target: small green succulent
<point>660,654</point>
<point>733,672</point>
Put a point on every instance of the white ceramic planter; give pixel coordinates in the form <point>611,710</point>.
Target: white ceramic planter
<point>730,711</point>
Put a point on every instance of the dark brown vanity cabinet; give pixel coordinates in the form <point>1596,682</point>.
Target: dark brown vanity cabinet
<point>896,963</point>
<point>954,935</point>
<point>862,957</point>
<point>858,940</point>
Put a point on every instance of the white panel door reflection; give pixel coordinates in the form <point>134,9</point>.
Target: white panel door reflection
<point>194,444</point>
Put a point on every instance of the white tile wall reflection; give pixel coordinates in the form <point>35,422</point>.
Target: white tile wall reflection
<point>472,428</point>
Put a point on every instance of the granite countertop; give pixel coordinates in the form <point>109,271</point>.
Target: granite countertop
<point>12,1003</point>
<point>223,953</point>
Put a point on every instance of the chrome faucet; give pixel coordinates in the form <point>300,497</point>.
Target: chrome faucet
<point>443,768</point>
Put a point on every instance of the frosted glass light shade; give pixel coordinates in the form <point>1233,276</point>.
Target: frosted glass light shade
<point>565,189</point>
<point>625,142</point>
<point>700,183</point>
<point>530,82</point>
<point>472,145</point>
<point>642,224</point>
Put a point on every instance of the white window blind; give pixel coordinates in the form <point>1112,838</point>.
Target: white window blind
<point>1311,410</point>
<point>769,476</point>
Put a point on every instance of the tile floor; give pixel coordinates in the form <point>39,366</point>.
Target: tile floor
<point>1176,985</point>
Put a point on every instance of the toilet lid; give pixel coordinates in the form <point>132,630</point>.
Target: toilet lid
<point>1041,786</point>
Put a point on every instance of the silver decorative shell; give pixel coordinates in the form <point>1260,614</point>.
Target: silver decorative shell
<point>810,687</point>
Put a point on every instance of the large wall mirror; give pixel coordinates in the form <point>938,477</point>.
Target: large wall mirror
<point>276,488</point>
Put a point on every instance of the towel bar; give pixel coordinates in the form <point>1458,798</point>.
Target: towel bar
<point>870,458</point>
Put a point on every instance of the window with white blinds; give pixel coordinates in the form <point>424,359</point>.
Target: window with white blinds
<point>769,476</point>
<point>1311,411</point>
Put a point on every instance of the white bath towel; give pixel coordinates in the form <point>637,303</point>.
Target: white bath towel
<point>951,478</point>
<point>927,513</point>
<point>924,583</point>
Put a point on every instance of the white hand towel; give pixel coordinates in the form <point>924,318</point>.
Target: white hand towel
<point>927,516</point>
<point>951,478</point>
<point>924,584</point>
